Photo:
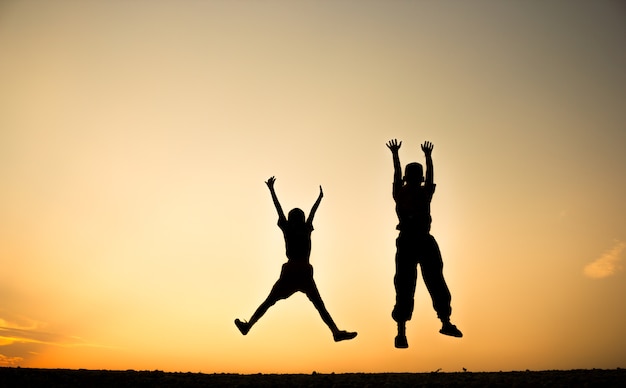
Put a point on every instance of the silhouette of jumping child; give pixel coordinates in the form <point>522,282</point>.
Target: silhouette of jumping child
<point>296,273</point>
<point>415,245</point>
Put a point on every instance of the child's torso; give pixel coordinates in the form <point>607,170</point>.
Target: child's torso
<point>413,208</point>
<point>298,242</point>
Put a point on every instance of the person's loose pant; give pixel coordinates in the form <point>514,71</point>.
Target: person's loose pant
<point>411,250</point>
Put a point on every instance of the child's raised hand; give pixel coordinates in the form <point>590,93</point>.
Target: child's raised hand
<point>427,147</point>
<point>394,145</point>
<point>270,182</point>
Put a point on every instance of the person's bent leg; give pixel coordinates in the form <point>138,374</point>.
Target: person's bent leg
<point>432,272</point>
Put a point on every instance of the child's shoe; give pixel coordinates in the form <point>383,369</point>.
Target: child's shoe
<point>451,330</point>
<point>344,335</point>
<point>244,327</point>
<point>401,342</point>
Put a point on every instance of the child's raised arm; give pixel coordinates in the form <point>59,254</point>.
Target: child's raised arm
<point>279,209</point>
<point>315,206</point>
<point>427,147</point>
<point>394,147</point>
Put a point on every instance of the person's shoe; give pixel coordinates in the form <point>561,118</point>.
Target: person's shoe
<point>244,327</point>
<point>451,330</point>
<point>344,335</point>
<point>401,342</point>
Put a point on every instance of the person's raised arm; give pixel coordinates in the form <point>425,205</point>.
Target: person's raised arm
<point>394,147</point>
<point>279,209</point>
<point>315,206</point>
<point>427,147</point>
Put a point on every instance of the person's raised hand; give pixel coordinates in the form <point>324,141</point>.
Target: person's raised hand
<point>394,145</point>
<point>427,147</point>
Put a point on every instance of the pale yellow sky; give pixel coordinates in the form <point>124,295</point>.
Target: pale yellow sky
<point>135,138</point>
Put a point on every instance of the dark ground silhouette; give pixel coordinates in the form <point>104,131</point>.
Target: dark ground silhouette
<point>56,378</point>
<point>297,273</point>
<point>415,245</point>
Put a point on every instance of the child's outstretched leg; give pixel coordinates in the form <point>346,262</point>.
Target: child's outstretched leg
<point>314,296</point>
<point>244,327</point>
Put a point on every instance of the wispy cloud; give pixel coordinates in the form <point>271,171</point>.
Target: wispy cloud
<point>10,320</point>
<point>10,361</point>
<point>10,336</point>
<point>607,264</point>
<point>21,338</point>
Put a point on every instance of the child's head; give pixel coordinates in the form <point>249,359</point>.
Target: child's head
<point>414,173</point>
<point>295,216</point>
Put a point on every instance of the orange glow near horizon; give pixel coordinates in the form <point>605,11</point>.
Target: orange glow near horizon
<point>135,224</point>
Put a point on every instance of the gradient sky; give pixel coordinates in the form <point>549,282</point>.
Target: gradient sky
<point>136,136</point>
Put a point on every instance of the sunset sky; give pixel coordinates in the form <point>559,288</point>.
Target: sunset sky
<point>136,136</point>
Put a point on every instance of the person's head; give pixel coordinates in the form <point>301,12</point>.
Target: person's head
<point>414,174</point>
<point>295,216</point>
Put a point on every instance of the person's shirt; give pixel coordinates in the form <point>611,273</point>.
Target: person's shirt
<point>413,207</point>
<point>297,240</point>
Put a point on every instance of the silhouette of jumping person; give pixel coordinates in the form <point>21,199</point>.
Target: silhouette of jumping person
<point>415,245</point>
<point>296,273</point>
